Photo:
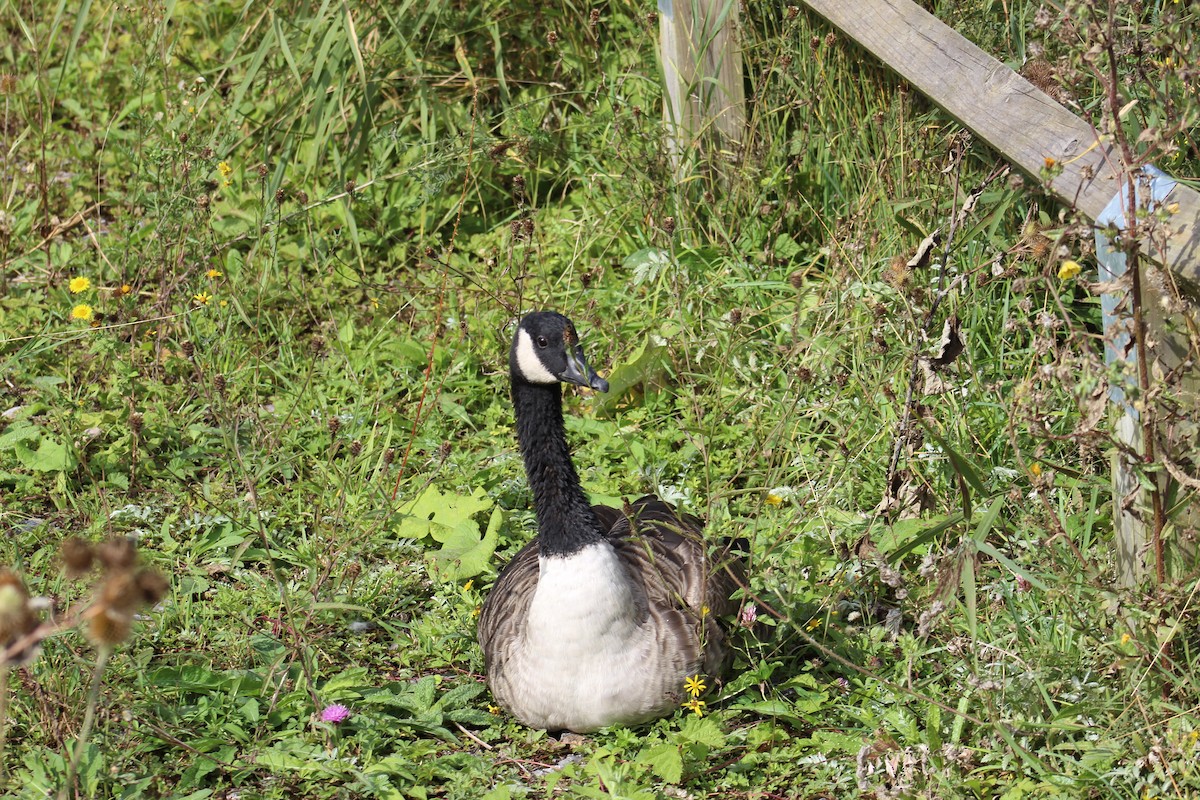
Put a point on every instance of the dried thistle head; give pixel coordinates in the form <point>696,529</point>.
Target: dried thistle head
<point>117,553</point>
<point>123,591</point>
<point>17,619</point>
<point>78,555</point>
<point>109,627</point>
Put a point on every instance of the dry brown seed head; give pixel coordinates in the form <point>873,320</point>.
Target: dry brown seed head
<point>120,591</point>
<point>117,553</point>
<point>109,627</point>
<point>78,555</point>
<point>153,586</point>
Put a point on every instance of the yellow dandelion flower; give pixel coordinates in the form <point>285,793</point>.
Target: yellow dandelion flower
<point>79,284</point>
<point>813,623</point>
<point>1069,269</point>
<point>774,499</point>
<point>202,298</point>
<point>125,289</point>
<point>696,706</point>
<point>83,312</point>
<point>213,273</point>
<point>694,685</point>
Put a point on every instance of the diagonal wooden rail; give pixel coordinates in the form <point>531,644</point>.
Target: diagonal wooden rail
<point>1019,121</point>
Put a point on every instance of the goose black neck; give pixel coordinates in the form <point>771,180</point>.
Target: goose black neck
<point>566,522</point>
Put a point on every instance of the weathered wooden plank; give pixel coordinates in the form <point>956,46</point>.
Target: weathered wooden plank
<point>1022,123</point>
<point>702,69</point>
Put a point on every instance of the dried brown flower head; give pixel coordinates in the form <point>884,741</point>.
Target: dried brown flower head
<point>77,555</point>
<point>17,619</point>
<point>118,552</point>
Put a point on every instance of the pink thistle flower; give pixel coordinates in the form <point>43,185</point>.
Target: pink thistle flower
<point>336,714</point>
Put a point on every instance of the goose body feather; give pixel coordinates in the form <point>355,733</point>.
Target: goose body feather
<point>607,635</point>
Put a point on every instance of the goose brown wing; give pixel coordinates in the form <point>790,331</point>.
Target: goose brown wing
<point>667,549</point>
<point>507,604</point>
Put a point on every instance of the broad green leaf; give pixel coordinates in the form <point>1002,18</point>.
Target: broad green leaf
<point>464,554</point>
<point>664,760</point>
<point>51,456</point>
<point>437,515</point>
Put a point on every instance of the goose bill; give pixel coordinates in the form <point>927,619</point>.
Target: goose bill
<point>579,373</point>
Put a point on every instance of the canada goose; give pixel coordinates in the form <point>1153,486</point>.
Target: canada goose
<point>600,619</point>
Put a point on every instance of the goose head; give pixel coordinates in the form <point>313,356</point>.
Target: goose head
<point>546,350</point>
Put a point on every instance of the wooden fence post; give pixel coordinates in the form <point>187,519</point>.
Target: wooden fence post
<point>704,99</point>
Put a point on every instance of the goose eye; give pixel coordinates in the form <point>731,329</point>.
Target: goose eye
<point>542,342</point>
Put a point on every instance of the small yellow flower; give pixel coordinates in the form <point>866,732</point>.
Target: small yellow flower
<point>1125,638</point>
<point>1050,161</point>
<point>475,612</point>
<point>213,273</point>
<point>1069,269</point>
<point>202,298</point>
<point>374,303</point>
<point>493,709</point>
<point>82,312</point>
<point>774,499</point>
<point>467,586</point>
<point>813,623</point>
<point>1035,469</point>
<point>694,685</point>
<point>125,289</point>
<point>705,611</point>
<point>79,284</point>
<point>224,169</point>
<point>695,705</point>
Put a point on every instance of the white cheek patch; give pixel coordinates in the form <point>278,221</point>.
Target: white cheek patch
<point>530,366</point>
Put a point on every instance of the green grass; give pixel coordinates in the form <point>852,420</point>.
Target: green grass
<point>364,197</point>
